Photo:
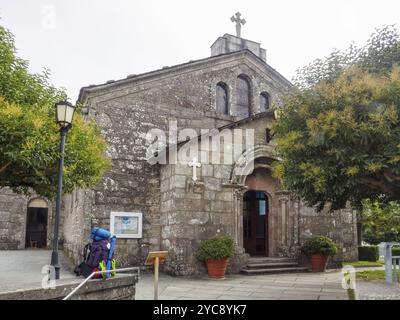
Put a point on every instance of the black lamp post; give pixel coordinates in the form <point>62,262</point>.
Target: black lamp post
<point>64,115</point>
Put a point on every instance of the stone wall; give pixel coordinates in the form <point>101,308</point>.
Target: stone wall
<point>127,110</point>
<point>118,288</point>
<point>13,216</point>
<point>77,224</point>
<point>341,226</point>
<point>295,222</point>
<point>291,221</point>
<point>12,220</point>
<point>194,211</point>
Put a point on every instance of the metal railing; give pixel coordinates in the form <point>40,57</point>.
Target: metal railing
<point>391,262</point>
<point>395,262</point>
<point>101,272</point>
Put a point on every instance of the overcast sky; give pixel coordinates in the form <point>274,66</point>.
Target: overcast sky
<point>87,42</point>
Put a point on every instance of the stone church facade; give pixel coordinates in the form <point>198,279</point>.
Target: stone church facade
<point>231,91</point>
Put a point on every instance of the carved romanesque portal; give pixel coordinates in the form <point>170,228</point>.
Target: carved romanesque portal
<point>258,211</point>
<point>259,219</point>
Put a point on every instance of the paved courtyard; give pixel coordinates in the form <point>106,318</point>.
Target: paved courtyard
<point>295,286</point>
<point>377,290</point>
<point>21,269</point>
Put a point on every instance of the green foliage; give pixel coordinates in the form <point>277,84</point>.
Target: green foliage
<point>396,251</point>
<point>374,275</point>
<point>319,245</point>
<point>362,263</point>
<point>17,84</point>
<point>29,135</point>
<point>339,133</point>
<point>378,55</point>
<point>381,222</point>
<point>216,248</point>
<point>368,253</point>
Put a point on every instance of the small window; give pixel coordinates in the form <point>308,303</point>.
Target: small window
<point>222,98</point>
<point>264,102</point>
<point>268,136</point>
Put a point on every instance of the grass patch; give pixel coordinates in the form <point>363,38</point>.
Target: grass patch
<point>364,263</point>
<point>374,275</point>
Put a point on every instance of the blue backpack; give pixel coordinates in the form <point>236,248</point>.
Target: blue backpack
<point>98,254</point>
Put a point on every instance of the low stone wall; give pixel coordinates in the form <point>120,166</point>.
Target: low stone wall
<point>121,287</point>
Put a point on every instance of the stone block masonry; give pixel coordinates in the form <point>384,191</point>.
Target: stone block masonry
<point>179,213</point>
<point>118,288</point>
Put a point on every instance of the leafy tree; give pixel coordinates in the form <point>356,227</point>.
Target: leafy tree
<point>381,223</point>
<point>339,132</point>
<point>379,55</point>
<point>29,136</point>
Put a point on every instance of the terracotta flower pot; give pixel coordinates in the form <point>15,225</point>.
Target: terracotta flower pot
<point>318,262</point>
<point>217,268</point>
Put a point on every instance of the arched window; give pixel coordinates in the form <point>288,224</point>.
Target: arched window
<point>264,101</point>
<point>243,96</point>
<point>222,98</point>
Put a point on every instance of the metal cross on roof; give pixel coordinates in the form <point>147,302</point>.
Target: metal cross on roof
<point>239,22</point>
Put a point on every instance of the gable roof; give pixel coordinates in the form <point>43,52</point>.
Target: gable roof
<point>109,84</point>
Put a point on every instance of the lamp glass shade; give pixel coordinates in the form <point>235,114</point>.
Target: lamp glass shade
<point>65,113</point>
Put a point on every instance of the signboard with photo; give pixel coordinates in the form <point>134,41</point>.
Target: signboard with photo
<point>126,224</point>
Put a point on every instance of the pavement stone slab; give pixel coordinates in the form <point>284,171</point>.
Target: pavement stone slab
<point>300,286</point>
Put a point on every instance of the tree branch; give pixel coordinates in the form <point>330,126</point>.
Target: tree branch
<point>3,168</point>
<point>379,185</point>
<point>389,176</point>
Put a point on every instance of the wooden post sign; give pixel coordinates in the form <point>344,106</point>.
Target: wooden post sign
<point>156,257</point>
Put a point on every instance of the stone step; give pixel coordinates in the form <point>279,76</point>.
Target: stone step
<point>271,265</point>
<point>273,270</point>
<point>270,260</point>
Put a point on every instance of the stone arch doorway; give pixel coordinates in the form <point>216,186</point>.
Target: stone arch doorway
<point>253,172</point>
<point>36,224</point>
<point>255,223</point>
<point>260,199</point>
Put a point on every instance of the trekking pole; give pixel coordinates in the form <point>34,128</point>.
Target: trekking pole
<point>100,272</point>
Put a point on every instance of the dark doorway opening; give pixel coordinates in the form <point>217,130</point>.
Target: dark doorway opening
<point>255,223</point>
<point>36,228</point>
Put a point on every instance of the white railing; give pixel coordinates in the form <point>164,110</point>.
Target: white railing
<point>391,262</point>
<point>101,272</point>
<point>395,262</point>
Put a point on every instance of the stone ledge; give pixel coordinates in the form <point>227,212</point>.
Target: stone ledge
<point>122,287</point>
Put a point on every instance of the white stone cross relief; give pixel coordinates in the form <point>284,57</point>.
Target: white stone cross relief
<point>195,164</point>
<point>239,23</point>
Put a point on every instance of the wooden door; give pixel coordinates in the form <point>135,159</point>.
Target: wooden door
<point>36,228</point>
<point>255,223</point>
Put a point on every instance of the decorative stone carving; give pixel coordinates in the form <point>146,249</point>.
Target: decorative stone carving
<point>195,186</point>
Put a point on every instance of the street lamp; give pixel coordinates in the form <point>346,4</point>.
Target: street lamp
<point>64,115</point>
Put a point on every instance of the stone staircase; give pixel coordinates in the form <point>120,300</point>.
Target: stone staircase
<point>265,265</point>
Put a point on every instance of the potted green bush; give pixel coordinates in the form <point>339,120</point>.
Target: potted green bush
<point>215,252</point>
<point>318,249</point>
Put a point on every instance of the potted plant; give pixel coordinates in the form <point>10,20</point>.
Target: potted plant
<point>318,249</point>
<point>215,252</point>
